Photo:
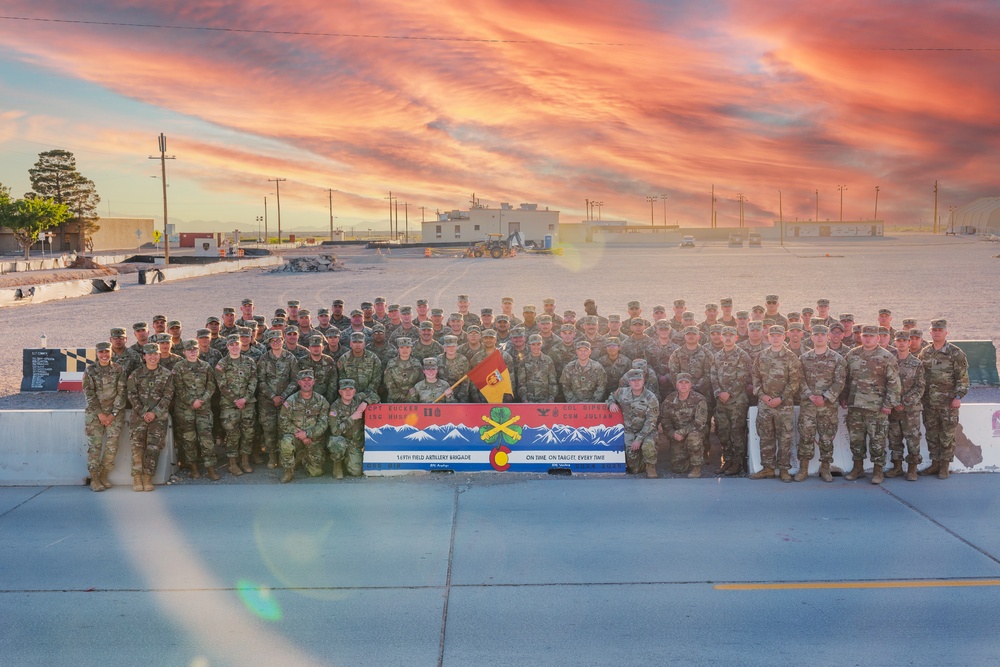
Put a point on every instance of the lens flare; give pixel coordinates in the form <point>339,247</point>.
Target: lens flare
<point>259,600</point>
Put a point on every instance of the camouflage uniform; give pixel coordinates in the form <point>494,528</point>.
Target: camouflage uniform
<point>309,415</point>
<point>193,427</point>
<point>347,436</point>
<point>731,373</point>
<point>778,375</point>
<point>468,352</point>
<point>946,372</point>
<point>450,370</point>
<point>324,373</point>
<point>658,357</point>
<point>236,379</point>
<point>697,363</point>
<point>366,371</point>
<point>427,392</point>
<point>105,388</point>
<point>872,384</point>
<point>399,378</point>
<point>212,357</point>
<point>640,415</point>
<point>421,351</point>
<point>400,332</point>
<point>584,385</point>
<point>616,370</point>
<point>128,359</point>
<point>689,418</point>
<point>276,376</point>
<point>539,383</point>
<point>822,375</point>
<point>149,391</point>
<point>904,420</point>
<point>385,352</point>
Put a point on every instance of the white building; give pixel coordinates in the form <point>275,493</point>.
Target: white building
<point>473,225</point>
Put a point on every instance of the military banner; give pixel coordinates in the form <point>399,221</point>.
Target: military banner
<point>468,437</point>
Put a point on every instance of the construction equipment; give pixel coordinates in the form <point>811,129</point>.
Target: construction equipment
<point>496,246</point>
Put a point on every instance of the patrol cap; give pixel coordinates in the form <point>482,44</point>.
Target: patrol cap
<point>246,302</point>
<point>259,319</point>
<point>614,317</point>
<point>771,298</point>
<point>776,329</point>
<point>306,373</point>
<point>883,331</point>
<point>268,335</point>
<point>758,309</point>
<point>104,346</point>
<point>869,330</point>
<point>884,311</point>
<point>795,326</point>
<point>755,325</point>
<point>430,362</point>
<point>449,341</point>
<point>822,302</point>
<point>715,328</point>
<point>228,310</point>
<point>406,310</point>
<point>463,297</point>
<point>437,312</point>
<point>548,301</point>
<point>910,322</point>
<point>726,301</point>
<point>939,323</point>
<point>687,315</point>
<point>640,363</point>
<point>610,342</point>
<point>837,325</point>
<point>316,340</point>
<point>322,311</point>
<point>544,319</point>
<point>808,311</point>
<point>190,344</point>
<point>213,318</point>
<point>583,343</point>
<point>358,337</point>
<point>857,328</point>
<point>118,332</point>
<point>846,317</point>
<point>404,341</point>
<point>633,304</point>
<point>367,305</point>
<point>337,302</point>
<point>294,303</point>
<point>163,318</point>
<point>821,329</point>
<point>902,335</point>
<point>588,319</point>
<point>280,312</point>
<point>426,325</point>
<point>729,330</point>
<point>456,317</point>
<point>660,308</point>
<point>379,299</point>
<point>638,320</point>
<point>161,338</point>
<point>711,306</point>
<point>742,315</point>
<point>473,328</point>
<point>507,299</point>
<point>517,332</point>
<point>489,333</point>
<point>203,333</point>
<point>769,321</point>
<point>356,313</point>
<point>378,327</point>
<point>347,383</point>
<point>245,332</point>
<point>534,339</point>
<point>153,348</point>
<point>683,377</point>
<point>421,302</point>
<point>291,330</point>
<point>278,321</point>
<point>691,330</point>
<point>503,318</point>
<point>392,308</point>
<point>813,321</point>
<point>174,323</point>
<point>485,311</point>
<point>528,309</point>
<point>634,374</point>
<point>232,338</point>
<point>590,302</point>
<point>679,303</point>
<point>793,316</point>
<point>916,333</point>
<point>564,328</point>
<point>662,324</point>
<point>304,312</point>
<point>569,313</point>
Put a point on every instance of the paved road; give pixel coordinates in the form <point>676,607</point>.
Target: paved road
<point>483,570</point>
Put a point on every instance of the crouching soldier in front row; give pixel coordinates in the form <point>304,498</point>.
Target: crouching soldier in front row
<point>347,431</point>
<point>302,422</point>
<point>640,410</point>
<point>683,415</point>
<point>104,386</point>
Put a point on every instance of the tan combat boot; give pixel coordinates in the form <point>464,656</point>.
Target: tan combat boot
<point>857,471</point>
<point>803,472</point>
<point>695,473</point>
<point>195,473</point>
<point>338,470</point>
<point>233,468</point>
<point>137,482</point>
<point>896,470</point>
<point>877,477</point>
<point>735,469</point>
<point>104,472</point>
<point>651,471</point>
<point>95,481</point>
<point>785,475</point>
<point>766,473</point>
<point>911,471</point>
<point>932,469</point>
<point>287,477</point>
<point>943,472</point>
<point>824,472</point>
<point>211,474</point>
<point>272,460</point>
<point>147,483</point>
<point>245,463</point>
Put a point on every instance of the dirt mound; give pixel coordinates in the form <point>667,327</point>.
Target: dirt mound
<point>310,264</point>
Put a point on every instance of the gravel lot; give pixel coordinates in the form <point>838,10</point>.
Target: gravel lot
<point>917,276</point>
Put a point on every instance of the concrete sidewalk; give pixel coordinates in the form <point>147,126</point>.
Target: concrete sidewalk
<point>483,570</point>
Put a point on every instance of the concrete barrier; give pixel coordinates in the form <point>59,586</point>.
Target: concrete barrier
<point>977,443</point>
<point>161,274</point>
<point>66,289</point>
<point>49,448</point>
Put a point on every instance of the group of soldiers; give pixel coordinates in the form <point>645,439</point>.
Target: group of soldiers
<point>291,390</point>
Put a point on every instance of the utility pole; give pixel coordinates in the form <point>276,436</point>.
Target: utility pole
<point>598,205</point>
<point>587,204</point>
<point>651,200</point>
<point>391,199</point>
<point>330,190</point>
<point>711,220</point>
<point>406,221</point>
<point>664,198</point>
<point>935,207</point>
<point>277,190</point>
<point>163,176</point>
<point>396,235</point>
<point>841,188</point>
<point>876,202</point>
<point>265,220</point>
<point>781,220</point>
<point>422,209</point>
<point>741,197</point>
<point>817,205</point>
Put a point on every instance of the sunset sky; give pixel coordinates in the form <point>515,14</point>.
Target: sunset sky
<point>549,101</point>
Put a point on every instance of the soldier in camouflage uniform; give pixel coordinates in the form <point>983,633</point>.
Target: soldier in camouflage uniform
<point>539,383</point>
<point>236,378</point>
<point>647,373</point>
<point>276,381</point>
<point>452,367</point>
<point>121,353</point>
<point>247,345</point>
<point>777,377</point>
<point>683,418</point>
<point>406,326</point>
<point>615,364</point>
<point>771,312</point>
<point>292,344</point>
<point>346,443</point>
<point>194,386</point>
<point>324,368</point>
<point>337,316</point>
<point>206,352</point>
<point>635,346</point>
<point>167,357</point>
<point>228,324</point>
<point>455,328</point>
<point>150,391</point>
<point>658,352</point>
<point>302,422</point>
<point>583,379</point>
<point>431,387</point>
<point>564,350</point>
<point>105,388</point>
<point>695,359</point>
<point>873,389</point>
<point>380,345</point>
<point>640,412</point>
<point>824,374</point>
<point>904,420</point>
<point>176,343</point>
<point>402,373</point>
<point>946,370</point>
<point>426,346</point>
<point>730,376</point>
<point>141,332</point>
<point>362,366</point>
<point>473,344</point>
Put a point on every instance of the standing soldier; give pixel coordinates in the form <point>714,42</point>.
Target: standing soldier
<point>346,443</point>
<point>121,354</point>
<point>730,376</point>
<point>228,322</point>
<point>363,367</point>
<point>473,344</point>
<point>583,379</point>
<point>236,377</point>
<point>873,389</point>
<point>463,308</point>
<point>194,386</point>
<point>683,418</point>
<point>380,346</point>
<point>302,422</point>
<point>401,373</point>
<point>946,370</point>
<point>431,387</point>
<point>904,420</point>
<point>150,391</point>
<point>539,384</point>
<point>777,376</point>
<point>640,412</point>
<point>824,374</point>
<point>323,366</point>
<point>105,387</point>
<point>452,366</point>
<point>615,364</point>
<point>141,332</point>
<point>657,352</point>
<point>246,314</point>
<point>426,346</point>
<point>489,341</point>
<point>695,360</point>
<point>771,311</point>
<point>277,371</point>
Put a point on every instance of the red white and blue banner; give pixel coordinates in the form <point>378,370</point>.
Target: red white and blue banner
<point>511,437</point>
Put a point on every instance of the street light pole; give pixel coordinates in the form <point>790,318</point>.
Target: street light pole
<point>598,205</point>
<point>664,198</point>
<point>781,220</point>
<point>841,188</point>
<point>163,176</point>
<point>876,202</point>
<point>741,197</point>
<point>265,220</point>
<point>331,214</point>
<point>817,205</point>
<point>277,191</point>
<point>651,201</point>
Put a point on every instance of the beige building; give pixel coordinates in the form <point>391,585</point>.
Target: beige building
<point>533,223</point>
<point>114,234</point>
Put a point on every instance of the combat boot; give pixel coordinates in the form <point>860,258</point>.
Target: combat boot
<point>943,472</point>
<point>195,473</point>
<point>338,470</point>
<point>95,481</point>
<point>104,477</point>
<point>803,472</point>
<point>211,474</point>
<point>245,463</point>
<point>258,456</point>
<point>824,472</point>
<point>651,471</point>
<point>735,469</point>
<point>896,470</point>
<point>785,475</point>
<point>877,477</point>
<point>911,471</point>
<point>857,471</point>
<point>147,483</point>
<point>233,468</point>
<point>932,469</point>
<point>287,477</point>
<point>272,460</point>
<point>695,472</point>
<point>137,482</point>
<point>766,473</point>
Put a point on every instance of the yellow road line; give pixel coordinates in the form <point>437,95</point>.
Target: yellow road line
<point>803,585</point>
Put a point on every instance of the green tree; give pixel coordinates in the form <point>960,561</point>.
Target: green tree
<point>55,177</point>
<point>29,217</point>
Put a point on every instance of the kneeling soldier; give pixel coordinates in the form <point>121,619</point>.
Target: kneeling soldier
<point>347,431</point>
<point>683,416</point>
<point>302,422</point>
<point>639,409</point>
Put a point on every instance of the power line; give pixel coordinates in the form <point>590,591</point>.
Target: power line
<point>344,35</point>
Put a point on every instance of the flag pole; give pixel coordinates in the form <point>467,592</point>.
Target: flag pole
<point>460,380</point>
